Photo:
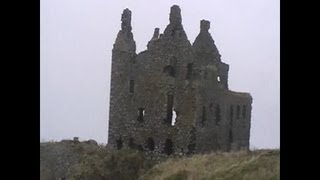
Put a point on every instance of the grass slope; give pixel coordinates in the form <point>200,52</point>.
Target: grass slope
<point>254,165</point>
<point>89,161</point>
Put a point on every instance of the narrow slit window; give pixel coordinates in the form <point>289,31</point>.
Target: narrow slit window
<point>204,115</point>
<point>244,110</point>
<point>131,86</point>
<point>189,70</point>
<point>231,114</point>
<point>238,111</point>
<point>141,113</point>
<point>218,114</point>
<point>230,136</point>
<point>169,109</point>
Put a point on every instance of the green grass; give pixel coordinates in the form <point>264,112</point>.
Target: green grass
<point>256,165</point>
<point>83,161</point>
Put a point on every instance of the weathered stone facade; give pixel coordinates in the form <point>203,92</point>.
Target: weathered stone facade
<point>173,98</point>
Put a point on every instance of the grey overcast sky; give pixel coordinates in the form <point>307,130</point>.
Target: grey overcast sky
<point>77,36</point>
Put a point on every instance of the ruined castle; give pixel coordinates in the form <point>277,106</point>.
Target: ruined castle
<point>173,98</point>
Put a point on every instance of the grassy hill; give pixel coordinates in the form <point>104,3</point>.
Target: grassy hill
<point>256,165</point>
<point>88,161</point>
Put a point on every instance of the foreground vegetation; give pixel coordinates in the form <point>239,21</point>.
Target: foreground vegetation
<point>89,161</point>
<point>262,165</point>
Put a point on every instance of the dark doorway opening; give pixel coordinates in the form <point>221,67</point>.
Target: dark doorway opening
<point>150,144</point>
<point>131,144</point>
<point>168,147</point>
<point>119,143</point>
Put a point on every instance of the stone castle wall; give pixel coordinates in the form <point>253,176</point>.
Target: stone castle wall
<point>173,98</point>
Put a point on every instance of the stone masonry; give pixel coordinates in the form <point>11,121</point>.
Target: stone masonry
<point>173,98</point>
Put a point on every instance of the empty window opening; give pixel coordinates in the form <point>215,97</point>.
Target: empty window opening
<point>174,117</point>
<point>169,109</point>
<point>131,143</point>
<point>238,111</point>
<point>141,113</point>
<point>218,114</point>
<point>168,147</point>
<point>131,86</point>
<point>150,144</point>
<point>204,115</point>
<point>218,78</point>
<point>189,70</point>
<point>119,143</point>
<point>169,70</point>
<point>244,110</point>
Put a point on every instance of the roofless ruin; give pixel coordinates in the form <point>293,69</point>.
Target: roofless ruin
<point>173,98</point>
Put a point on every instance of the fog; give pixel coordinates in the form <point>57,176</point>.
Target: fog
<point>76,39</point>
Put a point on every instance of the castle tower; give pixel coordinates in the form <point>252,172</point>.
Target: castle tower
<point>123,55</point>
<point>173,98</point>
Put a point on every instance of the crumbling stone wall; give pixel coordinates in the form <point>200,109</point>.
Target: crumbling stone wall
<point>173,98</point>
